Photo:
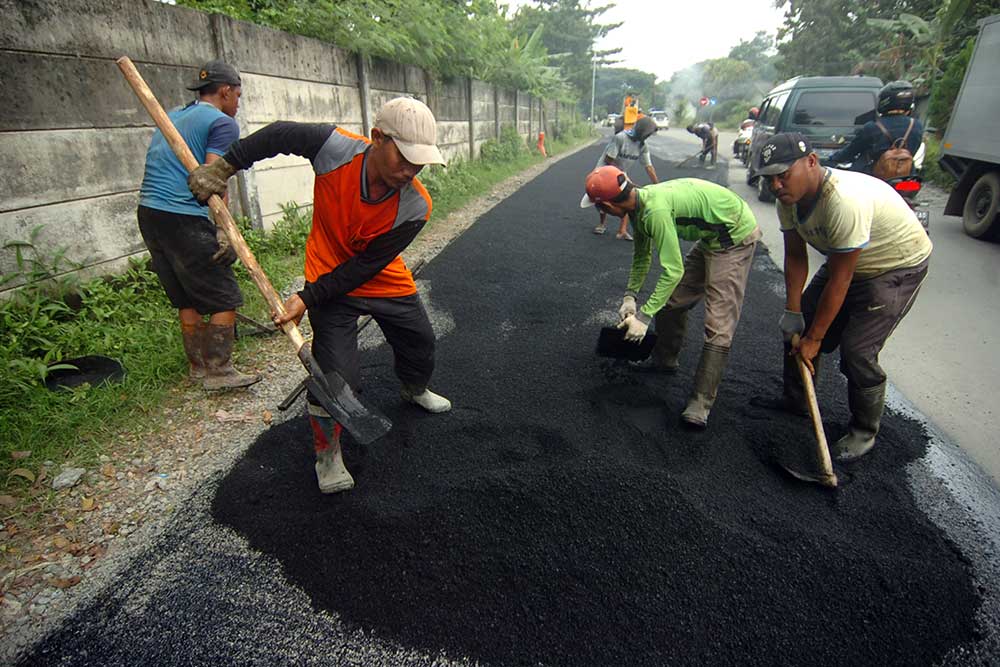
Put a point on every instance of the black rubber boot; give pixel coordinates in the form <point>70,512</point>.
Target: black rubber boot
<point>706,384</point>
<point>866,406</point>
<point>670,327</point>
<point>217,351</point>
<point>793,395</point>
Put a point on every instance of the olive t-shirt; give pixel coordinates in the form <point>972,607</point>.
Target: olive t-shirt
<point>856,211</point>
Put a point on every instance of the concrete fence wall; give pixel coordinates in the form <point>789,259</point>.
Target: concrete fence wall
<point>73,137</point>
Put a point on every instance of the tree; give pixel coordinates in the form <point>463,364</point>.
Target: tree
<point>570,33</point>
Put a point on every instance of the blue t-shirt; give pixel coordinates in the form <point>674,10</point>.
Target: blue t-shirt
<point>164,185</point>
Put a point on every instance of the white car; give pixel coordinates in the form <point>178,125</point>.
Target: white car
<point>662,121</point>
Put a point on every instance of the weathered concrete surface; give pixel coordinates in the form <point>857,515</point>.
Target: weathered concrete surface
<point>90,162</point>
<point>73,140</point>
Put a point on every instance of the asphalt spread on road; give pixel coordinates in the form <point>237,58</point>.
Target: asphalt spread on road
<point>560,514</point>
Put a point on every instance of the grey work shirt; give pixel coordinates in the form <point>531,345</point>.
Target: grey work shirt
<point>623,151</point>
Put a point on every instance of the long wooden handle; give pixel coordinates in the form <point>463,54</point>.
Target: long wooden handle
<point>223,218</point>
<point>822,448</point>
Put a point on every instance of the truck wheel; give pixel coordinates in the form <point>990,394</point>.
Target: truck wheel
<point>982,206</point>
<point>763,192</point>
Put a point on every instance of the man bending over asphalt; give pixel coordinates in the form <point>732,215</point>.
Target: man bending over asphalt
<point>709,140</point>
<point>877,257</point>
<point>717,269</point>
<point>624,150</point>
<point>368,206</point>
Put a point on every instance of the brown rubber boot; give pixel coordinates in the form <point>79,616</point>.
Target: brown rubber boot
<point>706,385</point>
<point>670,327</point>
<point>217,351</point>
<point>192,335</point>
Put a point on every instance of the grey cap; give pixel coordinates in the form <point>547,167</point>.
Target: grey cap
<point>216,71</point>
<point>781,151</point>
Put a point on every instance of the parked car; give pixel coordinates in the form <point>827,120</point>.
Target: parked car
<point>829,110</point>
<point>661,118</point>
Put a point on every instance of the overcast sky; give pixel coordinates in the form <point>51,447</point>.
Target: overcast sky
<point>663,36</point>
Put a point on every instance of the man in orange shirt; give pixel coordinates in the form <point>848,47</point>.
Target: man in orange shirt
<point>367,207</point>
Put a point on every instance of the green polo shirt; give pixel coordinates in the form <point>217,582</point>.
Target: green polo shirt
<point>683,208</point>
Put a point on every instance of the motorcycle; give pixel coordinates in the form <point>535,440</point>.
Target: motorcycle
<point>908,188</point>
<point>741,147</point>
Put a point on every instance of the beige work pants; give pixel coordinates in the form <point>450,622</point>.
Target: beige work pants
<point>720,277</point>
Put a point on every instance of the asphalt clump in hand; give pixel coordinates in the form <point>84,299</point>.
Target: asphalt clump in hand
<point>561,515</point>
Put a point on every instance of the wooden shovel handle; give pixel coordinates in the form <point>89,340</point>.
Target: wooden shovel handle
<point>223,218</point>
<point>822,448</point>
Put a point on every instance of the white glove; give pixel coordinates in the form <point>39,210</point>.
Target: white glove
<point>791,323</point>
<point>627,308</point>
<point>635,329</point>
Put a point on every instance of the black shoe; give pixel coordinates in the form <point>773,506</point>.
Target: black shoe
<point>779,404</point>
<point>648,365</point>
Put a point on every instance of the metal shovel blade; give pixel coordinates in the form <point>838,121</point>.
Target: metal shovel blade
<point>363,423</point>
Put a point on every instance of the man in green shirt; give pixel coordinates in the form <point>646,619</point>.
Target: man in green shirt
<point>716,268</point>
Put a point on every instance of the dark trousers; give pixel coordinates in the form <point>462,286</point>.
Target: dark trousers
<point>871,311</point>
<point>403,321</point>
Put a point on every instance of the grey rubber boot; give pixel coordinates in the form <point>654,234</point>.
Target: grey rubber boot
<point>706,384</point>
<point>866,406</point>
<point>217,351</point>
<point>670,328</point>
<point>192,335</point>
<point>331,474</point>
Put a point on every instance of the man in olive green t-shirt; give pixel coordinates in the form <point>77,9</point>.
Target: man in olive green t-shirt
<point>877,257</point>
<point>716,268</point>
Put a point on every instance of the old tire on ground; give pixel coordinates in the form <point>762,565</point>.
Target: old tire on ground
<point>764,192</point>
<point>981,215</point>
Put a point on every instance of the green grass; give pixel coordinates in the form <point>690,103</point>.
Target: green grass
<point>129,318</point>
<point>932,171</point>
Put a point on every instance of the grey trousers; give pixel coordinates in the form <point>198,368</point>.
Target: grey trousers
<point>404,322</point>
<point>871,311</point>
<point>720,277</point>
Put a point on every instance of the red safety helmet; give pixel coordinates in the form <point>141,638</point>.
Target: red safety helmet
<point>606,184</point>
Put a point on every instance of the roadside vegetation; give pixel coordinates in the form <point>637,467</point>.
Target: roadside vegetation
<point>128,317</point>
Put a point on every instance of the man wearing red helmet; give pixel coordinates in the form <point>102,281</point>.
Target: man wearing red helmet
<point>716,269</point>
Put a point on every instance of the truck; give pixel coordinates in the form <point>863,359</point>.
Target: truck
<point>970,151</point>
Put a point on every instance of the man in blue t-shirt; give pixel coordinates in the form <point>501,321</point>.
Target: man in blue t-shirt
<point>189,254</point>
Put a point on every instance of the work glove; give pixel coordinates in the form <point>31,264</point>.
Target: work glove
<point>208,180</point>
<point>791,323</point>
<point>225,255</point>
<point>635,329</point>
<point>627,307</point>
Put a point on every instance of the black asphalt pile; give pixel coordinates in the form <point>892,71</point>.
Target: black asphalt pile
<point>560,514</point>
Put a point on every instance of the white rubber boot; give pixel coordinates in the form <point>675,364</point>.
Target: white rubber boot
<point>426,399</point>
<point>331,474</point>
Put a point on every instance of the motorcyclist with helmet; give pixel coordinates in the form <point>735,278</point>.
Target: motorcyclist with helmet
<point>895,106</point>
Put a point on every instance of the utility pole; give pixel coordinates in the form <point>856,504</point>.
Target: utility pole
<point>593,86</point>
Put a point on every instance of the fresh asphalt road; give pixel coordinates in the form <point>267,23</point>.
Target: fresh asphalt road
<point>945,357</point>
<point>560,514</point>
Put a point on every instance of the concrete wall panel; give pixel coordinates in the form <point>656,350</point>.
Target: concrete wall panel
<point>37,168</point>
<point>107,29</point>
<point>267,99</point>
<point>388,76</point>
<point>91,231</point>
<point>263,51</point>
<point>282,186</point>
<point>79,92</point>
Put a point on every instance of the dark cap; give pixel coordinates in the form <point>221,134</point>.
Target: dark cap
<point>780,151</point>
<point>216,71</point>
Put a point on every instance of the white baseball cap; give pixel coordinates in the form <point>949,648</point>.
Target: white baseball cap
<point>412,127</point>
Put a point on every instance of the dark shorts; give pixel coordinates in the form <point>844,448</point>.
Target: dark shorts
<point>181,249</point>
